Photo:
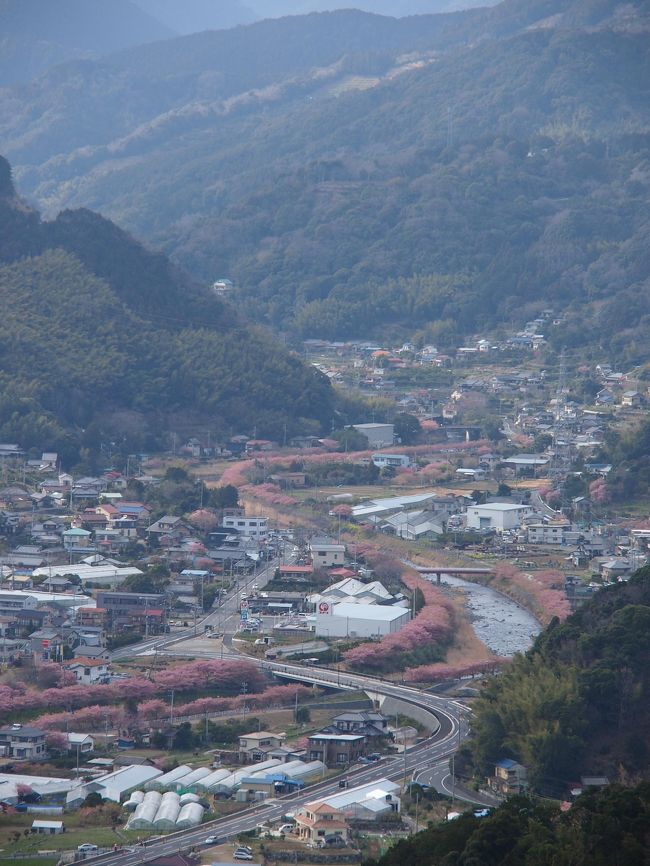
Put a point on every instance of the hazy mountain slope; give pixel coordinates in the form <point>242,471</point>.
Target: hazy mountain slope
<point>504,173</point>
<point>89,103</point>
<point>99,333</point>
<point>36,34</point>
<point>193,16</point>
<point>395,8</point>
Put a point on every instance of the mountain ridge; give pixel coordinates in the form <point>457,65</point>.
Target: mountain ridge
<point>37,34</point>
<point>437,188</point>
<point>129,348</point>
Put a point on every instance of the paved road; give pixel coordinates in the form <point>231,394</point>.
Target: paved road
<point>428,761</point>
<point>224,618</point>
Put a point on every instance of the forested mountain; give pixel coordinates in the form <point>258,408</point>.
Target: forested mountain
<point>102,339</point>
<point>578,703</point>
<point>435,174</point>
<point>37,34</point>
<point>602,828</point>
<point>193,16</point>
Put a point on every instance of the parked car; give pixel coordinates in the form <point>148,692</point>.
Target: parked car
<point>242,854</point>
<point>87,847</point>
<point>334,841</point>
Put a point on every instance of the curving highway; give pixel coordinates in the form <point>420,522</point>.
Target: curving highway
<point>427,762</point>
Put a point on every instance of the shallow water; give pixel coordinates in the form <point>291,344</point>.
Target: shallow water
<point>502,625</point>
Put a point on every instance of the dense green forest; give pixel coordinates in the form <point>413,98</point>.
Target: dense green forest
<point>434,174</point>
<point>579,701</point>
<point>610,827</point>
<point>102,339</point>
<point>628,451</point>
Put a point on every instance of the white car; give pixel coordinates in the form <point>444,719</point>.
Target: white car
<point>242,854</point>
<point>87,848</point>
<point>211,840</point>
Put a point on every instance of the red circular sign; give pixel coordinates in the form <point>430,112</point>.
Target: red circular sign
<point>323,607</point>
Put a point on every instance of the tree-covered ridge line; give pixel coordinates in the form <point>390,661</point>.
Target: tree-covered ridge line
<point>506,174</point>
<point>579,701</point>
<point>101,337</point>
<point>605,827</point>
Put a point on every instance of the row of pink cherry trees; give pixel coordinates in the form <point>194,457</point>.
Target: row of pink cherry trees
<point>215,675</point>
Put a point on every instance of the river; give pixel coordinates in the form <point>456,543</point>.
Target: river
<point>502,625</point>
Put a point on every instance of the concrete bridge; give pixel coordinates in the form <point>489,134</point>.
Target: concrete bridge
<point>445,569</point>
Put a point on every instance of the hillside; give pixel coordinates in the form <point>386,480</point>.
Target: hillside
<point>578,703</point>
<point>601,828</point>
<point>193,16</point>
<point>434,174</point>
<point>37,34</point>
<point>101,339</point>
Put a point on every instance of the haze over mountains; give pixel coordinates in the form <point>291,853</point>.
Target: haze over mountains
<point>38,34</point>
<point>192,16</point>
<point>434,174</point>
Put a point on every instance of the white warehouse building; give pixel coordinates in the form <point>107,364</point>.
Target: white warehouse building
<point>359,620</point>
<point>497,515</point>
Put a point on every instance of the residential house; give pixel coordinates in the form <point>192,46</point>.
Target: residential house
<point>13,601</point>
<point>95,617</point>
<point>133,611</point>
<point>289,480</point>
<point>170,527</point>
<point>631,399</point>
<point>326,553</point>
<point>77,539</point>
<point>254,747</point>
<point>365,722</point>
<point>13,648</point>
<point>89,671</point>
<point>46,644</point>
<point>134,509</point>
<point>391,461</point>
<point>22,741</point>
<point>616,568</point>
<point>547,533</point>
<point>317,822</point>
<point>82,744</point>
<point>295,572</point>
<point>509,778</point>
<point>336,749</point>
<point>56,583</point>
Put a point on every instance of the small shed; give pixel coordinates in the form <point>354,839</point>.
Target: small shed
<point>48,828</point>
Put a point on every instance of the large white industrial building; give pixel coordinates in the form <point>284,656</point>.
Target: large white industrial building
<point>497,516</point>
<point>359,620</point>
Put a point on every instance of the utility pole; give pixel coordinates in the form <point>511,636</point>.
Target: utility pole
<point>171,710</point>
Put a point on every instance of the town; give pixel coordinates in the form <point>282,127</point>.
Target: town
<point>148,611</point>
